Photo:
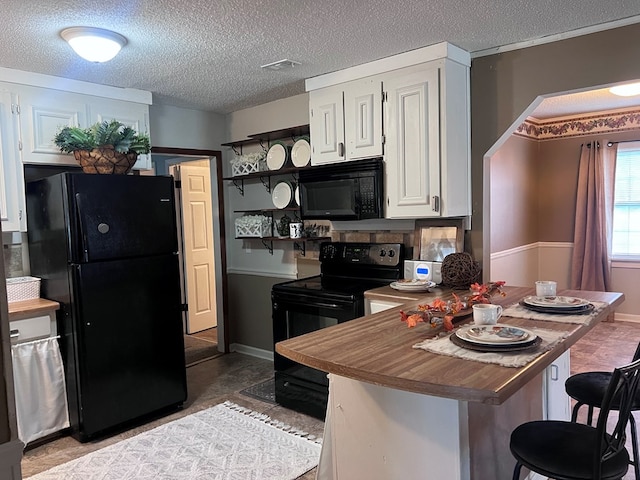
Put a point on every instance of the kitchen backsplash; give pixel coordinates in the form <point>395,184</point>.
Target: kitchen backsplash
<point>364,236</point>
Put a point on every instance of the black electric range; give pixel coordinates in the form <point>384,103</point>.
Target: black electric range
<point>347,270</point>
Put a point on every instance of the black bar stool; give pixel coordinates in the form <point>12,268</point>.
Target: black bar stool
<point>575,451</point>
<point>588,389</point>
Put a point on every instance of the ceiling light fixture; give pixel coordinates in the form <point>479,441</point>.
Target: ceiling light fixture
<point>94,44</point>
<point>628,90</point>
<point>280,65</point>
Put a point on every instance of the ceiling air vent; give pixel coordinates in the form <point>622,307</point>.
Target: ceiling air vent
<point>280,65</point>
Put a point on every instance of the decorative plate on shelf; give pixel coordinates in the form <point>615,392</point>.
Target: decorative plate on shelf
<point>412,285</point>
<point>301,153</point>
<point>281,195</point>
<point>495,334</point>
<point>276,156</point>
<point>297,195</point>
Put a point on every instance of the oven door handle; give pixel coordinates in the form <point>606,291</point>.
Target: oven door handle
<point>309,303</point>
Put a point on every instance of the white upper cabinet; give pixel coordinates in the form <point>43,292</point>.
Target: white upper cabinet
<point>326,127</point>
<point>413,145</point>
<point>346,122</point>
<point>43,113</point>
<point>11,174</point>
<point>428,155</point>
<point>134,115</point>
<point>422,128</point>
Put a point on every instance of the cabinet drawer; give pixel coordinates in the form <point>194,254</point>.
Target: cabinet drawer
<point>31,328</point>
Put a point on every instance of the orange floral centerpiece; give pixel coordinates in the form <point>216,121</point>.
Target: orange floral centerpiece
<point>443,312</point>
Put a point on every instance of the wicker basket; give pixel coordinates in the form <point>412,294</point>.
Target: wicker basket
<point>22,288</point>
<point>105,160</point>
<point>257,226</point>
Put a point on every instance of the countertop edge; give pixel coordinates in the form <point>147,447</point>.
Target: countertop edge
<point>31,307</point>
<point>521,375</point>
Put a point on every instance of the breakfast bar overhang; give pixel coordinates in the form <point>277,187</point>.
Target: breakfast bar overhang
<point>399,412</point>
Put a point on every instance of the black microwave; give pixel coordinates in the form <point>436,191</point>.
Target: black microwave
<point>342,191</point>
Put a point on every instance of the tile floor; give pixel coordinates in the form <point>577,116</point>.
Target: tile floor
<point>213,381</point>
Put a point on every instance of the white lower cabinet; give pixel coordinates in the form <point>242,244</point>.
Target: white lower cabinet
<point>375,306</point>
<point>427,128</point>
<point>556,401</point>
<point>11,175</point>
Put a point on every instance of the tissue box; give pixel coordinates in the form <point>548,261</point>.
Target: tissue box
<point>22,288</point>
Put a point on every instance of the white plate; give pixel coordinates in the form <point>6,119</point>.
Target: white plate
<point>281,195</point>
<point>297,195</point>
<point>276,156</point>
<point>413,285</point>
<point>559,302</point>
<point>495,334</point>
<point>301,153</point>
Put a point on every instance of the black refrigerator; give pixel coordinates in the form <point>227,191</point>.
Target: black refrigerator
<point>105,247</point>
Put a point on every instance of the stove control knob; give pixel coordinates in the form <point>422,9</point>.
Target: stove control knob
<point>382,253</point>
<point>392,253</point>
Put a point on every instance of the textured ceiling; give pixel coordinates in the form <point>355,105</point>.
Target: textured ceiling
<point>207,54</point>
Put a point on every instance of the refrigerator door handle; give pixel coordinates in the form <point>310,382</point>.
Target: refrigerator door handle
<point>83,229</point>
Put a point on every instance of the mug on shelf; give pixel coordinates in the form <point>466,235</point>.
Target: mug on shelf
<point>295,229</point>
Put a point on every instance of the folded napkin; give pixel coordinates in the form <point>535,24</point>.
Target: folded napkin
<point>444,346</point>
<point>518,311</point>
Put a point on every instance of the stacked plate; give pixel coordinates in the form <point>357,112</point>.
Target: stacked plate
<point>281,195</point>
<point>413,285</point>
<point>301,152</point>
<point>495,338</point>
<point>557,304</point>
<point>277,156</point>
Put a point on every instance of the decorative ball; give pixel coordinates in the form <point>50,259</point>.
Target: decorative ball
<point>459,270</point>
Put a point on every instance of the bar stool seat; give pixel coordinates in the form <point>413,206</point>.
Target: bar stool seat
<point>589,389</point>
<point>575,451</point>
<point>563,450</point>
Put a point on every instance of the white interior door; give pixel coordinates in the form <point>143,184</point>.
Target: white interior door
<point>197,252</point>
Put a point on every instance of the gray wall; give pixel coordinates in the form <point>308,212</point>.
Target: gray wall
<point>504,85</point>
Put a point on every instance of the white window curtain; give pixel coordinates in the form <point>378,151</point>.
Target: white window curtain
<point>591,263</point>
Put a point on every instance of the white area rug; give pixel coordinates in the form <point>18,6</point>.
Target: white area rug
<point>225,442</point>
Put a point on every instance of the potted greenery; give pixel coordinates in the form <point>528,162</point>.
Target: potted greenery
<point>106,147</point>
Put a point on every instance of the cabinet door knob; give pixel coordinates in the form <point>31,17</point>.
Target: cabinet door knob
<point>341,149</point>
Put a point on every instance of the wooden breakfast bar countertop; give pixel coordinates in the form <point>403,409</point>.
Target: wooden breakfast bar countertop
<point>377,349</point>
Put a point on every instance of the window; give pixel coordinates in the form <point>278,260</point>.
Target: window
<point>626,211</point>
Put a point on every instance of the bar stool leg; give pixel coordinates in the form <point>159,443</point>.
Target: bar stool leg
<point>516,471</point>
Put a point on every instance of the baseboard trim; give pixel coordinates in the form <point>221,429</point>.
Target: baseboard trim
<point>627,317</point>
<point>251,351</point>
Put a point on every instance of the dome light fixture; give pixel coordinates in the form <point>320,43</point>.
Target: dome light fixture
<point>94,44</point>
<point>628,90</point>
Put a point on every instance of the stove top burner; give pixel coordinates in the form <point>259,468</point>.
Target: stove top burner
<point>349,269</point>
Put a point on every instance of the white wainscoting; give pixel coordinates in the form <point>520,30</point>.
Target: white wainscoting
<point>522,266</point>
<point>516,266</point>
